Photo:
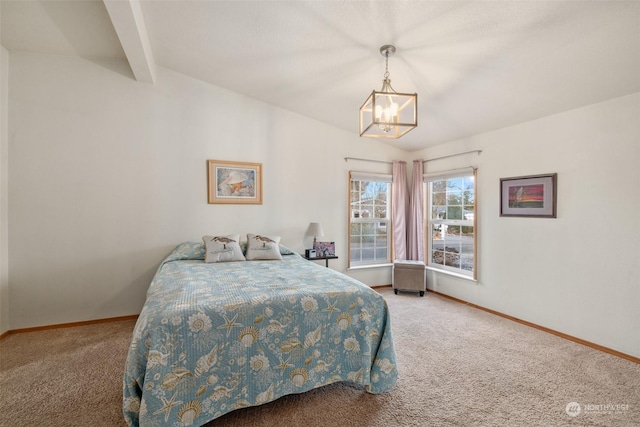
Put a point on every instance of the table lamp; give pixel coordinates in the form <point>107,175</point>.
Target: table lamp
<point>315,229</point>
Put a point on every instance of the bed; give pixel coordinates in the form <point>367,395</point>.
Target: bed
<point>216,337</point>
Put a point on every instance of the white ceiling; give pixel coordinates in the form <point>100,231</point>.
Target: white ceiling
<point>476,66</point>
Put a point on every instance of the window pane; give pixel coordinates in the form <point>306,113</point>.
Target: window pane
<point>438,212</point>
<point>381,195</point>
<point>367,228</point>
<point>437,257</point>
<point>469,183</point>
<point>466,245</point>
<point>369,200</point>
<point>466,262</point>
<point>382,228</point>
<point>452,240</point>
<point>454,198</point>
<point>468,198</point>
<point>451,257</point>
<point>438,186</point>
<point>437,232</point>
<point>453,231</point>
<point>356,229</point>
<point>454,212</point>
<point>380,212</point>
<point>452,244</point>
<point>454,184</point>
<point>467,231</point>
<point>367,255</point>
<point>366,211</point>
<point>439,199</point>
<point>368,240</point>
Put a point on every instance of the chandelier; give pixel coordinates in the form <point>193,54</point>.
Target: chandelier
<point>387,113</point>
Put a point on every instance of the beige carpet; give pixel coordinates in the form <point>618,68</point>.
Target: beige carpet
<point>459,366</point>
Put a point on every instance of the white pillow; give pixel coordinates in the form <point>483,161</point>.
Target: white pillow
<point>223,248</point>
<point>263,247</point>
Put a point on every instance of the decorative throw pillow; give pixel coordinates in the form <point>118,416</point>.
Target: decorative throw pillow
<point>263,247</point>
<point>223,248</point>
<point>285,250</point>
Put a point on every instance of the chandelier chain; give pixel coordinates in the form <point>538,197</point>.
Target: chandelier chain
<point>386,66</point>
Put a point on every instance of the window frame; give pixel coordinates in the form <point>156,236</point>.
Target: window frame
<point>370,177</point>
<point>429,222</point>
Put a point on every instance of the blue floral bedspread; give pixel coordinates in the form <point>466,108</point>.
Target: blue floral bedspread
<point>213,338</point>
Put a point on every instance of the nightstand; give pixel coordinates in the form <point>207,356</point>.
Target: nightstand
<point>326,258</point>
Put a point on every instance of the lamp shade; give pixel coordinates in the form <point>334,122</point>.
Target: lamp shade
<point>315,229</point>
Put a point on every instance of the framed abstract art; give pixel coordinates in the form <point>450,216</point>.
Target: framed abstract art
<point>529,196</point>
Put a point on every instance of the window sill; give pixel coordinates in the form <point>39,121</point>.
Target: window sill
<point>366,267</point>
<point>452,274</point>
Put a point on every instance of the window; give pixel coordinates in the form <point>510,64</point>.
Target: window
<point>369,219</point>
<point>450,229</point>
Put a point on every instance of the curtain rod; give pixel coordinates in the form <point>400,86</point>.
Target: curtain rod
<point>367,160</point>
<point>424,161</point>
<point>452,155</point>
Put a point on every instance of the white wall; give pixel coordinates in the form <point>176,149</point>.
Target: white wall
<point>4,174</point>
<point>108,175</point>
<point>580,273</point>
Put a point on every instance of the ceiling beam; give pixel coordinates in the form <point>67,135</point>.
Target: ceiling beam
<point>126,16</point>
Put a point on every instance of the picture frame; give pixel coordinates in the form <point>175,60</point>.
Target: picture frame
<point>529,196</point>
<point>230,182</point>
<point>325,249</point>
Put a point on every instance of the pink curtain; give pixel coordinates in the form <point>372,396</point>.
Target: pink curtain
<point>399,203</point>
<point>415,227</point>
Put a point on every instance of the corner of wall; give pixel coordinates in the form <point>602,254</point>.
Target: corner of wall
<point>4,164</point>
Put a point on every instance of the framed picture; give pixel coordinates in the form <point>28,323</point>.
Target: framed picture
<point>532,196</point>
<point>234,182</point>
<point>325,248</point>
